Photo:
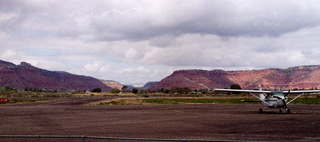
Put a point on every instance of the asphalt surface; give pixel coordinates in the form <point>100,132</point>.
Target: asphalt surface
<point>68,116</point>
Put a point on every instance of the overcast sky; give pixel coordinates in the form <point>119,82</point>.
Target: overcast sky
<point>136,41</point>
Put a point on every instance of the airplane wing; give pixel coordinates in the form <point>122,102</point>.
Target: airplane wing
<point>242,91</point>
<point>301,91</point>
<point>251,92</point>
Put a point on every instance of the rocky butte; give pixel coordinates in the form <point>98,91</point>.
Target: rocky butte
<point>112,84</point>
<point>27,76</point>
<point>300,77</point>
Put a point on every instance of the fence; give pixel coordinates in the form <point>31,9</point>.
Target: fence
<point>45,138</point>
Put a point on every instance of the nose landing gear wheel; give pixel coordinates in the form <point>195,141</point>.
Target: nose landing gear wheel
<point>284,110</point>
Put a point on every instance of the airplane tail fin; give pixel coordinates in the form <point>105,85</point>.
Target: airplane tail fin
<point>260,88</point>
<point>261,96</point>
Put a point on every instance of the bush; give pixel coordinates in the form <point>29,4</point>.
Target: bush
<point>181,90</point>
<point>96,90</point>
<point>135,90</point>
<point>115,91</point>
<point>235,86</point>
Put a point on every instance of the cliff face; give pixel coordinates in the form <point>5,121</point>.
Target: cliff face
<point>302,77</point>
<point>112,84</point>
<point>27,76</point>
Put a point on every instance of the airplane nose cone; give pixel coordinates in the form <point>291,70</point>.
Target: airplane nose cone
<point>281,97</point>
<point>280,103</point>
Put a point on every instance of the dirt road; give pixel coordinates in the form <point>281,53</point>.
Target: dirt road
<point>203,121</point>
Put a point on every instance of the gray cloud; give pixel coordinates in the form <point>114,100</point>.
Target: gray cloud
<point>224,18</point>
<point>136,41</point>
<point>143,19</point>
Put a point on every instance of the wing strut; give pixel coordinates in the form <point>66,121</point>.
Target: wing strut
<point>259,98</point>
<point>295,98</point>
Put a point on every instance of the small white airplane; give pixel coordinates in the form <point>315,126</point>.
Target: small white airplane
<point>272,99</point>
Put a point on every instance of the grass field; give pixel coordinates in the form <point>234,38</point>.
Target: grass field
<point>307,101</point>
<point>197,100</point>
<point>16,96</point>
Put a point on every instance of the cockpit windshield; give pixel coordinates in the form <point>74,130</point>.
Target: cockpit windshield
<point>277,93</point>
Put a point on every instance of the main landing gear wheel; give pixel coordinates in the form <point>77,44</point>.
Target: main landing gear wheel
<point>260,110</point>
<point>284,110</point>
<point>288,111</point>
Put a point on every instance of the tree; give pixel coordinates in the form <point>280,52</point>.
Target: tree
<point>135,90</point>
<point>163,90</point>
<point>96,90</point>
<point>184,90</point>
<point>125,88</point>
<point>235,86</point>
<point>203,91</point>
<point>115,91</point>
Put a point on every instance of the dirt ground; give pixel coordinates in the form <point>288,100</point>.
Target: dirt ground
<point>188,121</point>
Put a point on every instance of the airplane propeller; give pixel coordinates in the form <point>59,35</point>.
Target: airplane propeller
<point>285,103</point>
<point>287,93</point>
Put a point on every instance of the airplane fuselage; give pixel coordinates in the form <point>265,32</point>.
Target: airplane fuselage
<point>274,100</point>
<point>274,103</point>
